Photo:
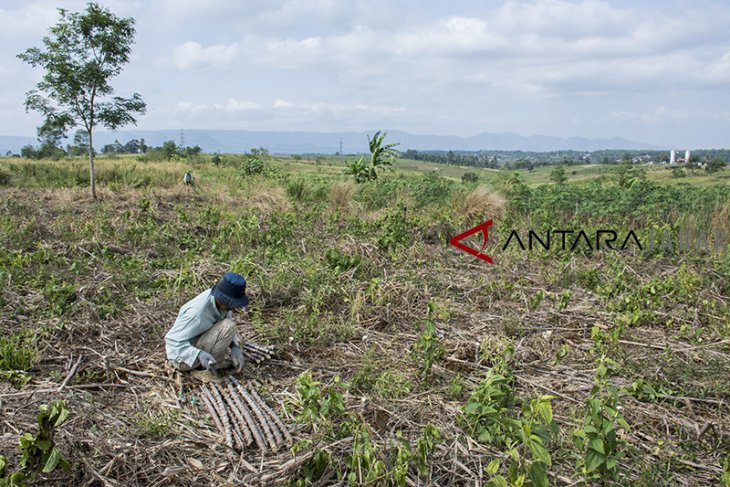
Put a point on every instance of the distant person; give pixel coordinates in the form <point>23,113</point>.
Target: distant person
<point>205,331</point>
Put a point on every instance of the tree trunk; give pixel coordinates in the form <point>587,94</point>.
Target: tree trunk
<point>91,166</point>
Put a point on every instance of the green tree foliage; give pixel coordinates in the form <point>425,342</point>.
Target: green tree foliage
<point>169,149</point>
<point>524,164</point>
<point>29,152</point>
<point>381,157</point>
<point>83,52</point>
<point>80,144</point>
<point>714,165</point>
<point>114,148</point>
<point>256,161</point>
<point>558,176</point>
<point>469,177</point>
<point>627,174</point>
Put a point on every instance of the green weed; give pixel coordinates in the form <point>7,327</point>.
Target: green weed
<point>155,424</point>
<point>428,349</point>
<point>39,452</point>
<point>18,351</point>
<point>316,403</point>
<point>598,437</point>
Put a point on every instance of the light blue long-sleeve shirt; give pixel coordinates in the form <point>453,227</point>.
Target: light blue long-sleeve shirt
<point>195,318</point>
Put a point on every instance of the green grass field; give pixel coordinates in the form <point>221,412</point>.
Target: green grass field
<point>400,360</point>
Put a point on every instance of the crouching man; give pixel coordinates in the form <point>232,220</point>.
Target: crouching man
<point>205,330</point>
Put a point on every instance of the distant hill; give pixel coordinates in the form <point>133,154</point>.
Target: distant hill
<point>237,141</point>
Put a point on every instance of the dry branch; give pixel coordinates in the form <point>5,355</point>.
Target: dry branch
<point>71,373</point>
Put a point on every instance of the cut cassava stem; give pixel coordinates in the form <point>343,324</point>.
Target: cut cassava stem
<point>252,426</point>
<point>224,416</point>
<point>238,436</point>
<point>259,416</point>
<point>211,410</point>
<point>240,421</point>
<point>277,426</point>
<point>274,417</point>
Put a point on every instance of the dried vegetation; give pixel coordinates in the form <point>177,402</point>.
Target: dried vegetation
<point>400,361</point>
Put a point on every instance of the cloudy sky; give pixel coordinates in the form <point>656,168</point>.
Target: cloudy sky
<point>650,71</point>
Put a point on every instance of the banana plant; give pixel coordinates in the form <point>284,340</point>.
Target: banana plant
<point>381,157</point>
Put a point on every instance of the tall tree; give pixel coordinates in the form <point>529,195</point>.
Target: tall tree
<point>558,176</point>
<point>83,52</point>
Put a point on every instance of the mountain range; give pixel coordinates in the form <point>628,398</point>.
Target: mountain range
<point>239,141</point>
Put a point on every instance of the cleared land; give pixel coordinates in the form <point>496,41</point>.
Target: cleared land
<point>425,364</point>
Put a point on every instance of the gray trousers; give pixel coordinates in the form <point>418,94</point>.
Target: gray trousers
<point>216,341</point>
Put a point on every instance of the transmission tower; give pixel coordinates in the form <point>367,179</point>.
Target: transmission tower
<point>182,138</point>
<point>341,153</point>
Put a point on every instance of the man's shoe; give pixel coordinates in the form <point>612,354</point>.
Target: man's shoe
<point>206,376</point>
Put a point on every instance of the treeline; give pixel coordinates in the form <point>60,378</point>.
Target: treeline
<point>52,149</point>
<point>496,159</point>
<point>459,158</point>
<point>169,151</point>
<point>531,160</point>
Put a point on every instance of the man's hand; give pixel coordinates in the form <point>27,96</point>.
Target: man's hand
<point>207,361</point>
<point>237,357</point>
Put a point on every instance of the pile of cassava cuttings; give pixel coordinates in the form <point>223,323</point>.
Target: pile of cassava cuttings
<point>242,417</point>
<point>256,353</point>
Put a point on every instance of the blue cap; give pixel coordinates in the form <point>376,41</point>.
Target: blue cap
<point>231,290</point>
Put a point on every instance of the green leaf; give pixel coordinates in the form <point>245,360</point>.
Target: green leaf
<point>44,445</point>
<point>17,479</point>
<point>52,461</point>
<point>471,407</point>
<point>26,440</point>
<point>498,481</point>
<point>539,475</point>
<point>593,460</point>
<point>63,415</point>
<point>493,467</point>
<point>539,451</point>
<point>597,445</point>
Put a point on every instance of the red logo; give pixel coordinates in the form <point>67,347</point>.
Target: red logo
<point>482,227</point>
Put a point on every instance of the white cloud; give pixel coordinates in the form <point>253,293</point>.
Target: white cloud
<point>192,55</point>
<point>33,19</point>
<point>279,103</point>
<point>720,70</point>
<point>538,48</point>
<point>230,106</point>
<point>661,114</point>
<point>532,66</point>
